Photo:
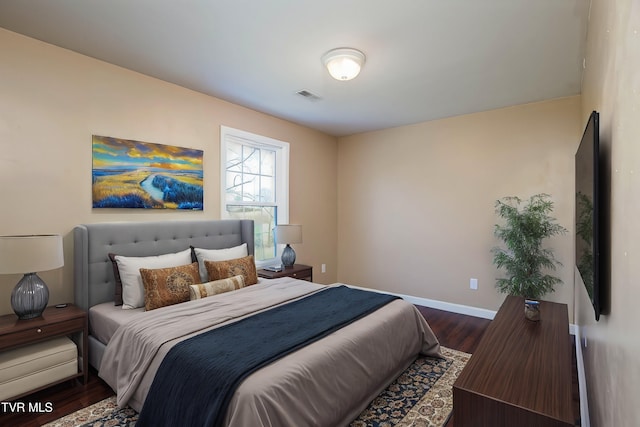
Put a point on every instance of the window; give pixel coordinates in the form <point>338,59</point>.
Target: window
<point>255,185</point>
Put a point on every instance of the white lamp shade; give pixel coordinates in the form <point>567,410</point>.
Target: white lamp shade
<point>289,233</point>
<point>30,253</point>
<point>343,63</point>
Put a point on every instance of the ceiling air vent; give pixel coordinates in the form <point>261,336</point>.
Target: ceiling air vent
<point>310,96</point>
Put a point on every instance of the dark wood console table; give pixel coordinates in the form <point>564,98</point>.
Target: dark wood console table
<point>520,375</point>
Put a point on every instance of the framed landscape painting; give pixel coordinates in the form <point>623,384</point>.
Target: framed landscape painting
<point>134,174</point>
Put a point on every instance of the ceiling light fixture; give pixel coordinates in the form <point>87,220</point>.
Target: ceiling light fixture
<point>343,63</point>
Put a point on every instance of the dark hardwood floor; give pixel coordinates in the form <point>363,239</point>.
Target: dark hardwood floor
<point>455,331</point>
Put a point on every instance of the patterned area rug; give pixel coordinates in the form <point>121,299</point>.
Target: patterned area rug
<point>421,397</point>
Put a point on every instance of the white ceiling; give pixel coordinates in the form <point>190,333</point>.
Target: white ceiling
<point>426,59</point>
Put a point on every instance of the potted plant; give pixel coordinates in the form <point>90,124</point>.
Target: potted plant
<point>524,259</point>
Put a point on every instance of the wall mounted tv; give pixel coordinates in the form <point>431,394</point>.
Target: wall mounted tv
<point>587,212</point>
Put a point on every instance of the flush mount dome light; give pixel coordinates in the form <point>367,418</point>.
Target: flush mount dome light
<point>343,63</point>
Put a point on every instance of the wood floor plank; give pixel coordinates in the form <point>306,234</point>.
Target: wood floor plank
<point>455,331</point>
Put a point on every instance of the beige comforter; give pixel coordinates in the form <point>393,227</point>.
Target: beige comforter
<point>327,383</point>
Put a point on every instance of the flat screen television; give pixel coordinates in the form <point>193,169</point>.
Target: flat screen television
<point>587,212</point>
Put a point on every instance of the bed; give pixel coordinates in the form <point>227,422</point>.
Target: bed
<point>326,383</point>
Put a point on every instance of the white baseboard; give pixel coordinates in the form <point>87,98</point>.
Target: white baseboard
<point>582,381</point>
<point>446,306</point>
<point>440,305</point>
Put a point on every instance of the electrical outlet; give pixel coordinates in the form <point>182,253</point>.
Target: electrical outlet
<point>473,284</point>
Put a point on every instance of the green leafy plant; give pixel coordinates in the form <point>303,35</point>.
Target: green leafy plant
<point>524,258</point>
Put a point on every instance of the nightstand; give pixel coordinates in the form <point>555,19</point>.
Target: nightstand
<point>298,271</point>
<point>54,322</point>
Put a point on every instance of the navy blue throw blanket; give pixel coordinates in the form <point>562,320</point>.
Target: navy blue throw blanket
<point>197,378</point>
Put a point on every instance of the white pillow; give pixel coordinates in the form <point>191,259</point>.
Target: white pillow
<point>129,269</point>
<point>218,255</point>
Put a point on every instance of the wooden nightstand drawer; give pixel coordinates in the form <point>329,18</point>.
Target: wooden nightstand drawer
<point>302,274</point>
<point>40,332</point>
<point>298,271</point>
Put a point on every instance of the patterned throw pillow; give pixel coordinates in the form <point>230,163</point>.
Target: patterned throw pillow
<point>245,266</point>
<point>167,286</point>
<point>129,290</point>
<point>216,287</point>
<point>203,255</point>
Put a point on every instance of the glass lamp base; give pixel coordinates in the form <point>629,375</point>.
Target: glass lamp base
<point>30,297</point>
<point>288,256</point>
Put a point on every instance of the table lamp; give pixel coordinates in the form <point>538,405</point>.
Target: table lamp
<point>287,234</point>
<point>29,254</point>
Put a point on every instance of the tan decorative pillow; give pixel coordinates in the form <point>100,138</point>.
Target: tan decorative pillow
<point>216,287</point>
<point>167,286</point>
<point>203,255</point>
<point>245,266</point>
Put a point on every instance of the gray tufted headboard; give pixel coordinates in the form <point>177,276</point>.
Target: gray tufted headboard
<point>93,273</point>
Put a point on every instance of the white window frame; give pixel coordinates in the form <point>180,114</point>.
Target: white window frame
<point>281,148</point>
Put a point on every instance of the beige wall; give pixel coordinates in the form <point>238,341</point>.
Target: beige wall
<point>52,101</point>
<point>416,203</point>
<point>611,85</point>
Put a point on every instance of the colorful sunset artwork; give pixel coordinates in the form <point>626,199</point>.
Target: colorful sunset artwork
<point>134,174</point>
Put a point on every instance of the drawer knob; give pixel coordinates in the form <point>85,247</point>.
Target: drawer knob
<point>39,330</point>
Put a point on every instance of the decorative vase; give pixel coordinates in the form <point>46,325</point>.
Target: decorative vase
<point>30,297</point>
<point>532,310</point>
<point>288,256</point>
